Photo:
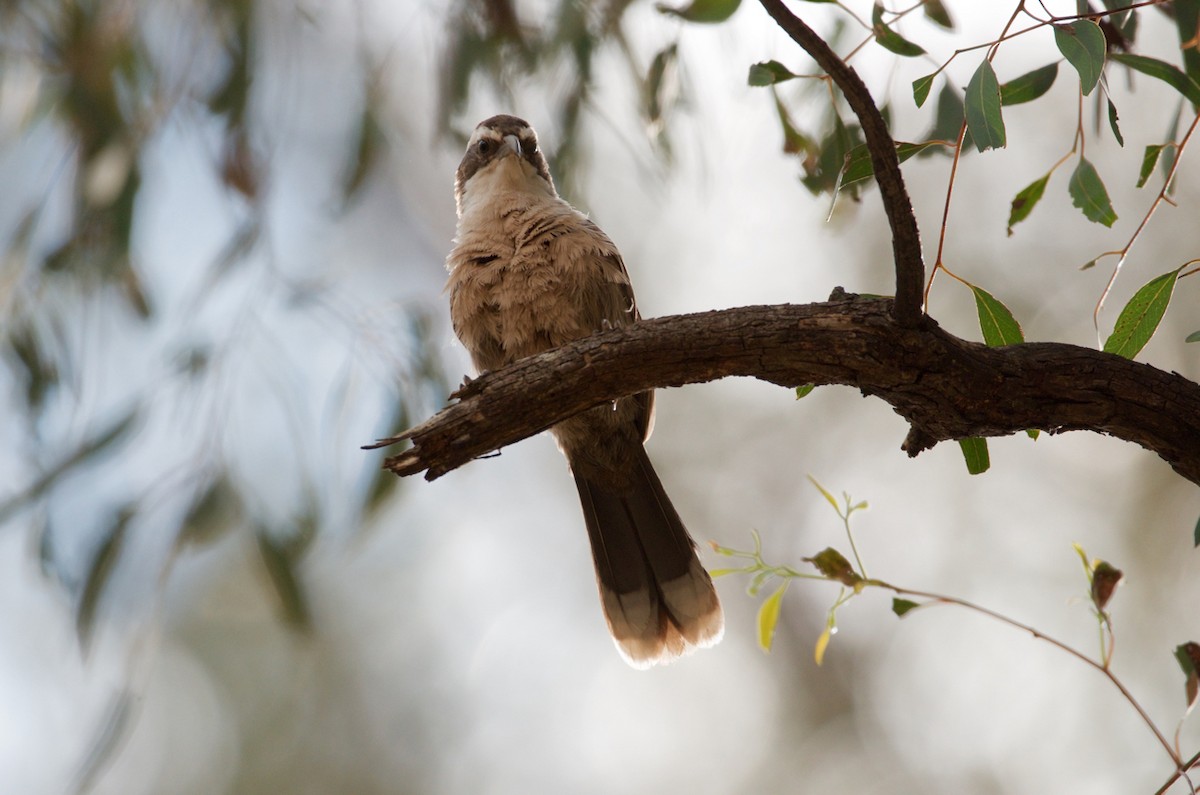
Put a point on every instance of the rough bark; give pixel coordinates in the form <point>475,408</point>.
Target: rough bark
<point>945,387</point>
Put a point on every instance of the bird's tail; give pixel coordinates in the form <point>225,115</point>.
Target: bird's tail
<point>658,599</point>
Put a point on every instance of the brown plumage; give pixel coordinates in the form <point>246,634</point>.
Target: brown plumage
<point>529,272</point>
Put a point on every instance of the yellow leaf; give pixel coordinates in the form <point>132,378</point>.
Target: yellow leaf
<point>768,617</point>
<point>822,643</point>
<point>827,495</point>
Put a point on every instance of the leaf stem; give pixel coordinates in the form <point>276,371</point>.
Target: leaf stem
<point>1158,200</point>
<point>1039,635</point>
<point>938,263</point>
<point>1181,772</point>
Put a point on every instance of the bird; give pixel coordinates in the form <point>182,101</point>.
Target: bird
<point>527,273</point>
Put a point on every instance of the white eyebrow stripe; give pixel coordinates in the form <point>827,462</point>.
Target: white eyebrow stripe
<point>484,132</point>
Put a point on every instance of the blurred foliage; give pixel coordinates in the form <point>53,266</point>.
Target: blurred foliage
<point>104,81</point>
<point>490,44</point>
<point>108,80</point>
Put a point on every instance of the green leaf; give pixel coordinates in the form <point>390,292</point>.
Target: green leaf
<point>657,95</point>
<point>1187,22</point>
<point>823,169</point>
<point>1089,194</point>
<point>89,452</point>
<point>794,141</point>
<point>947,117</point>
<point>833,564</point>
<point>706,11</point>
<point>975,452</point>
<point>1149,161</point>
<point>1028,86</point>
<point>825,493</point>
<point>1082,44</point>
<point>371,141</point>
<point>1024,202</point>
<point>768,73</point>
<point>101,568</point>
<point>1140,318</point>
<point>937,13</point>
<point>860,167</point>
<point>902,606</point>
<point>984,119</point>
<point>997,323</point>
<point>1193,337</point>
<point>1161,70</point>
<point>279,558</point>
<point>214,511</point>
<point>921,87</point>
<point>802,391</point>
<point>1112,122</point>
<point>768,617</point>
<point>891,40</point>
<point>1188,657</point>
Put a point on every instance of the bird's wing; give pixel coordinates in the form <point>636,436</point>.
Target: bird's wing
<point>612,298</point>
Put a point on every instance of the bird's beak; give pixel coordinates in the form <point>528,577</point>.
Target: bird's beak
<point>514,143</point>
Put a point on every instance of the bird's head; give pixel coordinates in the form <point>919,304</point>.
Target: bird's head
<point>503,153</point>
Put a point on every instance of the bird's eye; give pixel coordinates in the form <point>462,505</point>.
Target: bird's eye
<point>484,146</point>
<point>530,148</point>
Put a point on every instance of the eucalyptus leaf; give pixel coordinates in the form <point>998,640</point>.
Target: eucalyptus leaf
<point>1089,194</point>
<point>1112,123</point>
<point>768,617</point>
<point>975,453</point>
<point>1149,161</point>
<point>891,40</point>
<point>984,119</point>
<point>768,73</point>
<point>1140,318</point>
<point>1028,86</point>
<point>1025,200</point>
<point>280,560</point>
<point>921,87</point>
<point>936,12</point>
<point>99,571</point>
<point>1161,70</point>
<point>860,167</point>
<point>1082,43</point>
<point>706,11</point>
<point>997,323</point>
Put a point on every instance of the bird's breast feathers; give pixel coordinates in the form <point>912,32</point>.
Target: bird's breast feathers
<point>529,272</point>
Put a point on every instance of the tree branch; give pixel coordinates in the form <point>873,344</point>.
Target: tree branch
<point>945,387</point>
<point>906,237</point>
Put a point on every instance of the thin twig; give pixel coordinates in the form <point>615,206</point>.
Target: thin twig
<point>939,263</point>
<point>1181,772</point>
<point>1038,634</point>
<point>1158,200</point>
